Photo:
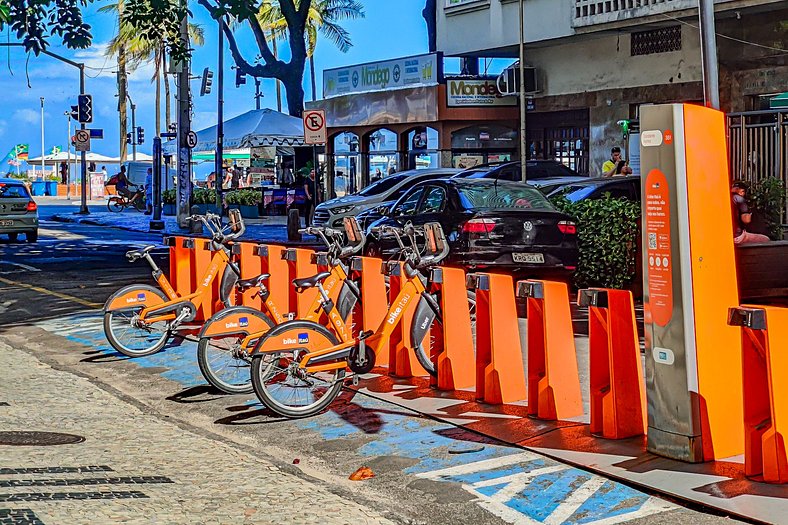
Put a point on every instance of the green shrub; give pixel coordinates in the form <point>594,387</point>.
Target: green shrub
<point>607,236</point>
<point>767,198</point>
<point>245,197</point>
<point>168,196</point>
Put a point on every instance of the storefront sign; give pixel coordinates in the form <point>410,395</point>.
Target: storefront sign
<point>463,93</point>
<point>421,70</point>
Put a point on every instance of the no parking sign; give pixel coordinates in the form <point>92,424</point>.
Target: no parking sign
<point>315,126</point>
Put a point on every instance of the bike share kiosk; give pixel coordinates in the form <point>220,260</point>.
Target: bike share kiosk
<point>693,359</point>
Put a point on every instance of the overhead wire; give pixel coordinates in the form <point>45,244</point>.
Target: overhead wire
<point>727,37</point>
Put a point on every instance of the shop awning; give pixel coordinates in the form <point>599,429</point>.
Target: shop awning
<point>780,101</point>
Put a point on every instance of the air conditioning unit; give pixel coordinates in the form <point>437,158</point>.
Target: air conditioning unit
<point>509,80</point>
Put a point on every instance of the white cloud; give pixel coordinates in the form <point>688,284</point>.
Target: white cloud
<point>26,116</point>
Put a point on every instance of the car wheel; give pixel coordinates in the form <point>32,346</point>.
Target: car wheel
<point>13,237</point>
<point>32,236</point>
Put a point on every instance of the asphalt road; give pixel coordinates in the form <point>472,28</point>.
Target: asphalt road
<point>50,295</point>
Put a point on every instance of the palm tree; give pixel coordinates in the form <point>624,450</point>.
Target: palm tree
<point>137,50</point>
<point>323,17</point>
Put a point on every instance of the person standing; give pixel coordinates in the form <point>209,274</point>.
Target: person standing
<point>309,204</point>
<point>64,173</point>
<point>742,216</point>
<point>616,165</point>
<point>149,192</point>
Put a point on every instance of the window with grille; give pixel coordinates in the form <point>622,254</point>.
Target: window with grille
<point>656,41</point>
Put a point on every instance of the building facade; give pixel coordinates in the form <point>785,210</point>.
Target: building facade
<point>598,61</point>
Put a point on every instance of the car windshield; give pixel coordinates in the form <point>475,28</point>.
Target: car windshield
<point>13,191</point>
<point>496,197</point>
<point>382,185</point>
<point>574,192</point>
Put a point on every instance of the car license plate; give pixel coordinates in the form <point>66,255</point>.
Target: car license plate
<point>6,223</point>
<point>533,258</point>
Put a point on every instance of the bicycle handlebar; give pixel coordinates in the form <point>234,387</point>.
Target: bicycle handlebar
<point>412,253</point>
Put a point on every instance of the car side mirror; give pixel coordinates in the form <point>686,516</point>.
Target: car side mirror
<point>384,210</point>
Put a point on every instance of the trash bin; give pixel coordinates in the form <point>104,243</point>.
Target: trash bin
<point>51,188</point>
<point>38,188</point>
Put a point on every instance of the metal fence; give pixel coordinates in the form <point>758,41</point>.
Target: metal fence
<point>758,145</point>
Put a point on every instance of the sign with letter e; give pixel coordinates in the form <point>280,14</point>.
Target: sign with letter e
<point>315,126</point>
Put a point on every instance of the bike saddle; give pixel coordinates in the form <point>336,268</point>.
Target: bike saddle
<point>245,284</point>
<point>310,282</point>
<point>133,255</point>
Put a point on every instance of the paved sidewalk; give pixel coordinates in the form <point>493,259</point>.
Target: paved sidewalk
<point>133,467</point>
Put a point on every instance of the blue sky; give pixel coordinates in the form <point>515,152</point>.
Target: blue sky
<point>389,30</point>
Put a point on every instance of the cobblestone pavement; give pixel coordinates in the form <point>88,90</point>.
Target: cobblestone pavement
<point>133,467</point>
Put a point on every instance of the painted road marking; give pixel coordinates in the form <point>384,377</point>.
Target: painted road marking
<point>50,292</point>
<point>527,488</point>
<point>24,267</point>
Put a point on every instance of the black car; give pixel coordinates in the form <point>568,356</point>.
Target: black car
<point>534,169</point>
<point>627,187</point>
<point>490,224</point>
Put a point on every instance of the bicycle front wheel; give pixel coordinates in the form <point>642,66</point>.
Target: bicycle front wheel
<point>284,387</point>
<point>221,360</point>
<point>139,204</point>
<point>133,338</point>
<point>432,343</point>
<point>115,204</point>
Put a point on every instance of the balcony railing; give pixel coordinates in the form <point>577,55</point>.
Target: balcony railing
<point>594,12</point>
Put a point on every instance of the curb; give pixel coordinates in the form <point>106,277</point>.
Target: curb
<point>68,218</point>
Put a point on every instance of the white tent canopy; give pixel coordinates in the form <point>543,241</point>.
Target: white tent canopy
<point>53,159</point>
<point>258,127</point>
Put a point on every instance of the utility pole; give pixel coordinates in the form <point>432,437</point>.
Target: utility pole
<point>523,140</point>
<point>257,94</point>
<point>83,205</point>
<point>43,150</point>
<point>184,186</point>
<point>219,159</point>
<point>68,153</point>
<point>122,88</point>
<point>156,223</point>
<point>708,46</point>
<point>133,127</point>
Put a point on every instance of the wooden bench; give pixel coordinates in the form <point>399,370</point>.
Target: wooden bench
<point>763,272</point>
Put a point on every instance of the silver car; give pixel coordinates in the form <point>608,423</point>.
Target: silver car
<point>18,211</point>
<point>387,189</point>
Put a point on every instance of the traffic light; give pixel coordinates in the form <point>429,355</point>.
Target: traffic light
<point>240,78</point>
<point>140,135</point>
<point>75,112</point>
<point>207,80</point>
<point>85,108</point>
<point>128,138</point>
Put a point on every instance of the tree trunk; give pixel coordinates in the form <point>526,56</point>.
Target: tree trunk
<point>276,81</point>
<point>294,89</point>
<point>158,93</point>
<point>312,74</point>
<point>122,84</point>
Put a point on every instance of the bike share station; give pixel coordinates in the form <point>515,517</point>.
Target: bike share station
<point>703,424</point>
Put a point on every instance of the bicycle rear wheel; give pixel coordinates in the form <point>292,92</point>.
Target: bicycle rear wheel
<point>221,362</point>
<point>284,387</point>
<point>129,336</point>
<point>115,204</point>
<point>139,204</point>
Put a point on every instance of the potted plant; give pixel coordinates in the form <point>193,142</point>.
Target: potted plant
<point>168,202</point>
<point>205,200</point>
<point>249,203</point>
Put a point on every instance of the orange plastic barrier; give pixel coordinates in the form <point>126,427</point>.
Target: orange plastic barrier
<point>402,359</point>
<point>251,265</point>
<point>181,275</point>
<point>553,381</point>
<point>453,350</point>
<point>367,272</point>
<point>300,265</point>
<point>765,387</point>
<point>272,262</point>
<point>618,393</point>
<point>500,377</point>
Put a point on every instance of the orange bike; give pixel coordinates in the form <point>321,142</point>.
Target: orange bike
<point>299,367</point>
<point>226,339</point>
<point>139,318</point>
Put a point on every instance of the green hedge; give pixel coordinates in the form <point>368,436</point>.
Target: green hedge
<point>607,236</point>
<point>767,198</point>
<point>245,197</point>
<point>203,196</point>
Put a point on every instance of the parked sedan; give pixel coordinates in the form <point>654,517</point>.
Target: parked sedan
<point>534,169</point>
<point>627,187</point>
<point>18,211</point>
<point>386,190</point>
<point>489,224</point>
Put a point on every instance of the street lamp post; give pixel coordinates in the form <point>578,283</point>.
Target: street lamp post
<point>708,39</point>
<point>219,164</point>
<point>43,151</point>
<point>133,128</point>
<point>523,141</point>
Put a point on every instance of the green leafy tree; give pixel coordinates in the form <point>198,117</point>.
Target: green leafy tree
<point>34,22</point>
